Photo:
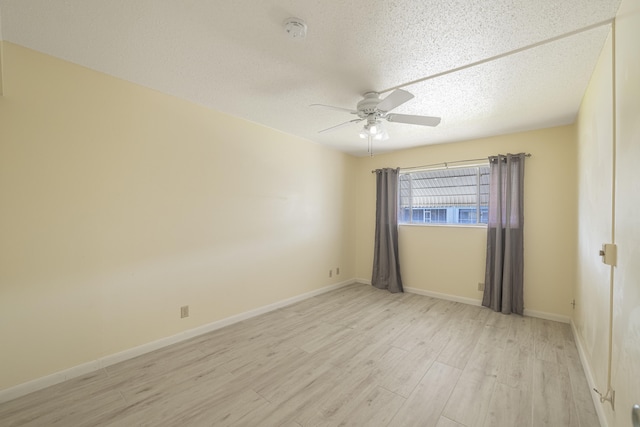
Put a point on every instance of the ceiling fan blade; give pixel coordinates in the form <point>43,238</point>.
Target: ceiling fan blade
<point>331,107</point>
<point>413,120</point>
<point>394,99</point>
<point>340,125</point>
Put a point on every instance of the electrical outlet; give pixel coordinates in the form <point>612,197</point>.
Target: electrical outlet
<point>184,311</point>
<point>480,286</point>
<point>330,273</point>
<point>337,271</point>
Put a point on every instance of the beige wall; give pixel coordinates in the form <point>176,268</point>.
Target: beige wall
<point>121,204</point>
<point>1,67</point>
<point>599,146</point>
<point>451,260</point>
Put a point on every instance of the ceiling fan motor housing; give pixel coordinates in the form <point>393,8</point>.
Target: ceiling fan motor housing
<point>368,105</point>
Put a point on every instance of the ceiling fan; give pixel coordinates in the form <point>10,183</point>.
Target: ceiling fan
<point>373,110</point>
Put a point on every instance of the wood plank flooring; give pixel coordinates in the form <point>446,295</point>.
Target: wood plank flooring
<point>357,356</point>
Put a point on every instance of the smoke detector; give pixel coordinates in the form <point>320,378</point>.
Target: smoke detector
<point>296,28</point>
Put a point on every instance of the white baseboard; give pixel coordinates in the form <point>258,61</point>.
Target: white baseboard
<point>93,365</point>
<point>588,373</point>
<point>548,316</point>
<point>447,297</point>
<point>476,302</point>
<point>455,298</point>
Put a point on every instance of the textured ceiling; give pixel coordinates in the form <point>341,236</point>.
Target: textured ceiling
<point>234,56</point>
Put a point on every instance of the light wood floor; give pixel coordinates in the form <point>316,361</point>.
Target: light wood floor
<point>356,356</point>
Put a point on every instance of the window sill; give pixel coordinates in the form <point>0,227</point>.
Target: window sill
<point>446,225</point>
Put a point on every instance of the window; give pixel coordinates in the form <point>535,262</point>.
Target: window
<point>467,216</point>
<point>444,196</point>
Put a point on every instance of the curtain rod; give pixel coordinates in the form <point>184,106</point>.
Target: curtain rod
<point>446,164</point>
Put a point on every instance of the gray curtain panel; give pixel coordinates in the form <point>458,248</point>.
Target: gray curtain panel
<point>503,289</point>
<point>386,263</point>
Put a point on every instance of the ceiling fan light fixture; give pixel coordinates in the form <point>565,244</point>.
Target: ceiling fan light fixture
<point>381,136</point>
<point>374,130</point>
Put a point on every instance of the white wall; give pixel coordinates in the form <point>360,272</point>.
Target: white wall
<point>626,298</point>
<point>595,198</point>
<point>608,187</point>
<point>451,260</point>
<point>121,204</point>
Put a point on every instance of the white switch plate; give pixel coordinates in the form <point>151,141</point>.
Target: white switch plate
<point>610,256</point>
